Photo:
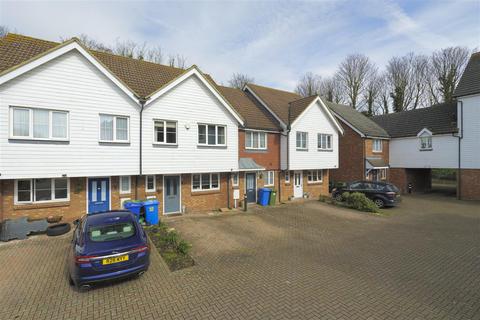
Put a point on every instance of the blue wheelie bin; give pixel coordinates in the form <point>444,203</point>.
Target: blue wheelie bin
<point>151,211</point>
<point>134,207</point>
<point>264,196</point>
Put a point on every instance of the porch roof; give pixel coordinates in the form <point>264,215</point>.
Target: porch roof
<point>375,163</point>
<point>248,164</point>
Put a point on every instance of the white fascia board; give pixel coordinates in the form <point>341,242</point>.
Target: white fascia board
<point>329,113</point>
<point>59,52</point>
<point>424,130</point>
<point>189,73</point>
<point>282,124</point>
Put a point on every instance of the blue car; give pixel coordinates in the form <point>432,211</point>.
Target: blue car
<point>106,246</point>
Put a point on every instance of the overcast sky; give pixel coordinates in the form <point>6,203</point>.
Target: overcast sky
<point>275,42</point>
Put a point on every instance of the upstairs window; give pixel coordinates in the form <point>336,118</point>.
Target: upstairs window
<point>205,181</point>
<point>377,145</point>
<point>315,176</point>
<point>426,142</point>
<point>255,140</point>
<point>324,141</point>
<point>211,135</point>
<point>302,138</point>
<point>38,124</point>
<point>41,190</point>
<point>114,128</point>
<point>165,132</point>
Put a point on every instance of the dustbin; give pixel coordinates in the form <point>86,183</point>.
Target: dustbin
<point>151,211</point>
<point>263,196</point>
<point>273,197</point>
<point>134,207</point>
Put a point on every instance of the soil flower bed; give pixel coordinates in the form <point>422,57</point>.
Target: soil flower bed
<point>173,249</point>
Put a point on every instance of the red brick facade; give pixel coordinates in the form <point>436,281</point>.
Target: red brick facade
<point>469,184</point>
<point>270,158</point>
<point>421,179</point>
<point>313,190</point>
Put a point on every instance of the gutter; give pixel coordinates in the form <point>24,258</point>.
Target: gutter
<point>460,137</point>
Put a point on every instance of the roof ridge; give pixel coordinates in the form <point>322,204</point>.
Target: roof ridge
<point>258,85</point>
<point>18,35</point>
<point>425,109</point>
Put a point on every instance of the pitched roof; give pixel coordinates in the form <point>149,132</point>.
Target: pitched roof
<point>276,100</point>
<point>298,106</point>
<point>255,115</point>
<point>358,120</point>
<point>470,81</point>
<point>140,76</point>
<point>439,119</point>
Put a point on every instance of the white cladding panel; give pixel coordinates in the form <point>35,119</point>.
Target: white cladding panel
<point>470,145</point>
<point>314,121</point>
<point>283,151</point>
<point>73,84</point>
<point>405,153</point>
<point>189,103</point>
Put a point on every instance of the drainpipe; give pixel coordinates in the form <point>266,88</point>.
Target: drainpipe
<point>229,192</point>
<point>142,102</point>
<point>459,175</point>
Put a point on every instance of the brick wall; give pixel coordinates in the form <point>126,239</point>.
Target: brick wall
<point>261,178</point>
<point>204,200</point>
<point>470,184</point>
<point>369,150</point>
<point>269,159</point>
<point>351,159</point>
<point>420,178</point>
<point>313,189</point>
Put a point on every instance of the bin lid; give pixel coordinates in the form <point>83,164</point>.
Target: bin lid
<point>150,202</point>
<point>266,189</point>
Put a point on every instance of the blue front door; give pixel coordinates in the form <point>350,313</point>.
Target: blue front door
<point>98,195</point>
<point>171,192</point>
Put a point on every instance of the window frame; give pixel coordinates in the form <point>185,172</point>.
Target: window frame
<point>319,176</point>
<point>165,132</point>
<point>429,145</point>
<point>269,183</point>
<point>31,124</point>
<point>383,174</point>
<point>32,192</point>
<point>201,189</point>
<point>129,185</point>
<point>305,140</point>
<point>251,139</point>
<point>206,144</point>
<point>287,174</point>
<point>329,138</point>
<point>374,149</point>
<point>154,189</point>
<point>114,128</point>
<point>234,183</point>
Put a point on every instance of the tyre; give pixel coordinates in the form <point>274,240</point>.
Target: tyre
<point>58,229</point>
<point>70,281</point>
<point>338,197</point>
<point>379,202</point>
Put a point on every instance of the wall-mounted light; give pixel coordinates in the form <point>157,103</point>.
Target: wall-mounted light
<point>64,175</point>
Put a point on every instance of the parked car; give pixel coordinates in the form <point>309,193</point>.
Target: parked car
<point>106,246</point>
<point>383,194</point>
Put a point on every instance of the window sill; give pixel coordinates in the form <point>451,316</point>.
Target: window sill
<point>165,145</point>
<point>325,150</point>
<point>373,151</point>
<point>38,205</point>
<point>151,191</point>
<point>301,149</point>
<point>315,182</point>
<point>430,149</point>
<point>102,142</point>
<point>207,146</point>
<point>125,193</point>
<point>33,140</point>
<point>205,192</point>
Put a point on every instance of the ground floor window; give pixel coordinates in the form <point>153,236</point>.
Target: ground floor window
<point>287,176</point>
<point>41,190</point>
<point>205,181</point>
<point>235,179</point>
<point>314,176</point>
<point>125,184</point>
<point>270,180</point>
<point>150,183</point>
<point>383,174</point>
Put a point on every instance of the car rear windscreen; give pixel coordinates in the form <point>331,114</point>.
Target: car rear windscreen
<point>111,232</point>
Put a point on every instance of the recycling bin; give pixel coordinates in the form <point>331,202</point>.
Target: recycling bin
<point>264,196</point>
<point>134,207</point>
<point>273,197</point>
<point>151,211</point>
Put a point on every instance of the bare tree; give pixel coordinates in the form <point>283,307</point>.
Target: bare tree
<point>330,89</point>
<point>447,66</point>
<point>4,30</point>
<point>308,85</point>
<point>239,80</point>
<point>353,74</point>
<point>125,48</point>
<point>384,95</point>
<point>418,80</point>
<point>91,43</point>
<point>177,60</point>
<point>398,77</point>
<point>372,92</point>
<point>155,55</point>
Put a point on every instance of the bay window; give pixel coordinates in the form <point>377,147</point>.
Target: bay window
<point>38,124</point>
<point>41,190</point>
<point>114,128</point>
<point>255,140</point>
<point>211,135</point>
<point>205,181</point>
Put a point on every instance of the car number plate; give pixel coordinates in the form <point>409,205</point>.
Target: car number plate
<point>115,259</point>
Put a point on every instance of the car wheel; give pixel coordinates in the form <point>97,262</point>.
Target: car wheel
<point>70,281</point>
<point>58,229</point>
<point>379,202</point>
<point>338,197</point>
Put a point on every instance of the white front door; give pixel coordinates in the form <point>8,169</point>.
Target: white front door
<point>298,184</point>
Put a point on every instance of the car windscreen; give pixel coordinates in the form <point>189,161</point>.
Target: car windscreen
<point>111,232</point>
<point>391,188</point>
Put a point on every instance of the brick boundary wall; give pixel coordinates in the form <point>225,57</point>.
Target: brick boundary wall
<point>470,184</point>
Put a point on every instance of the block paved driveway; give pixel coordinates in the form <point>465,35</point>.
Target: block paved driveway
<point>299,261</point>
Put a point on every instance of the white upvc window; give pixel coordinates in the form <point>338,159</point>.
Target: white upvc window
<point>270,180</point>
<point>255,140</point>
<point>426,142</point>
<point>165,132</point>
<point>150,183</point>
<point>377,145</point>
<point>125,184</point>
<point>38,124</point>
<point>315,176</point>
<point>302,140</point>
<point>383,174</point>
<point>205,181</point>
<point>324,141</point>
<point>114,128</point>
<point>287,176</point>
<point>41,190</point>
<point>212,135</point>
<point>235,179</point>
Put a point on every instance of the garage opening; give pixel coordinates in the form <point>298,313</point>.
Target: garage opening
<point>444,181</point>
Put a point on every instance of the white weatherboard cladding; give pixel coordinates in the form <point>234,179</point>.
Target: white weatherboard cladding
<point>405,153</point>
<point>189,103</point>
<point>283,151</point>
<point>313,121</point>
<point>470,145</point>
<point>73,84</point>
